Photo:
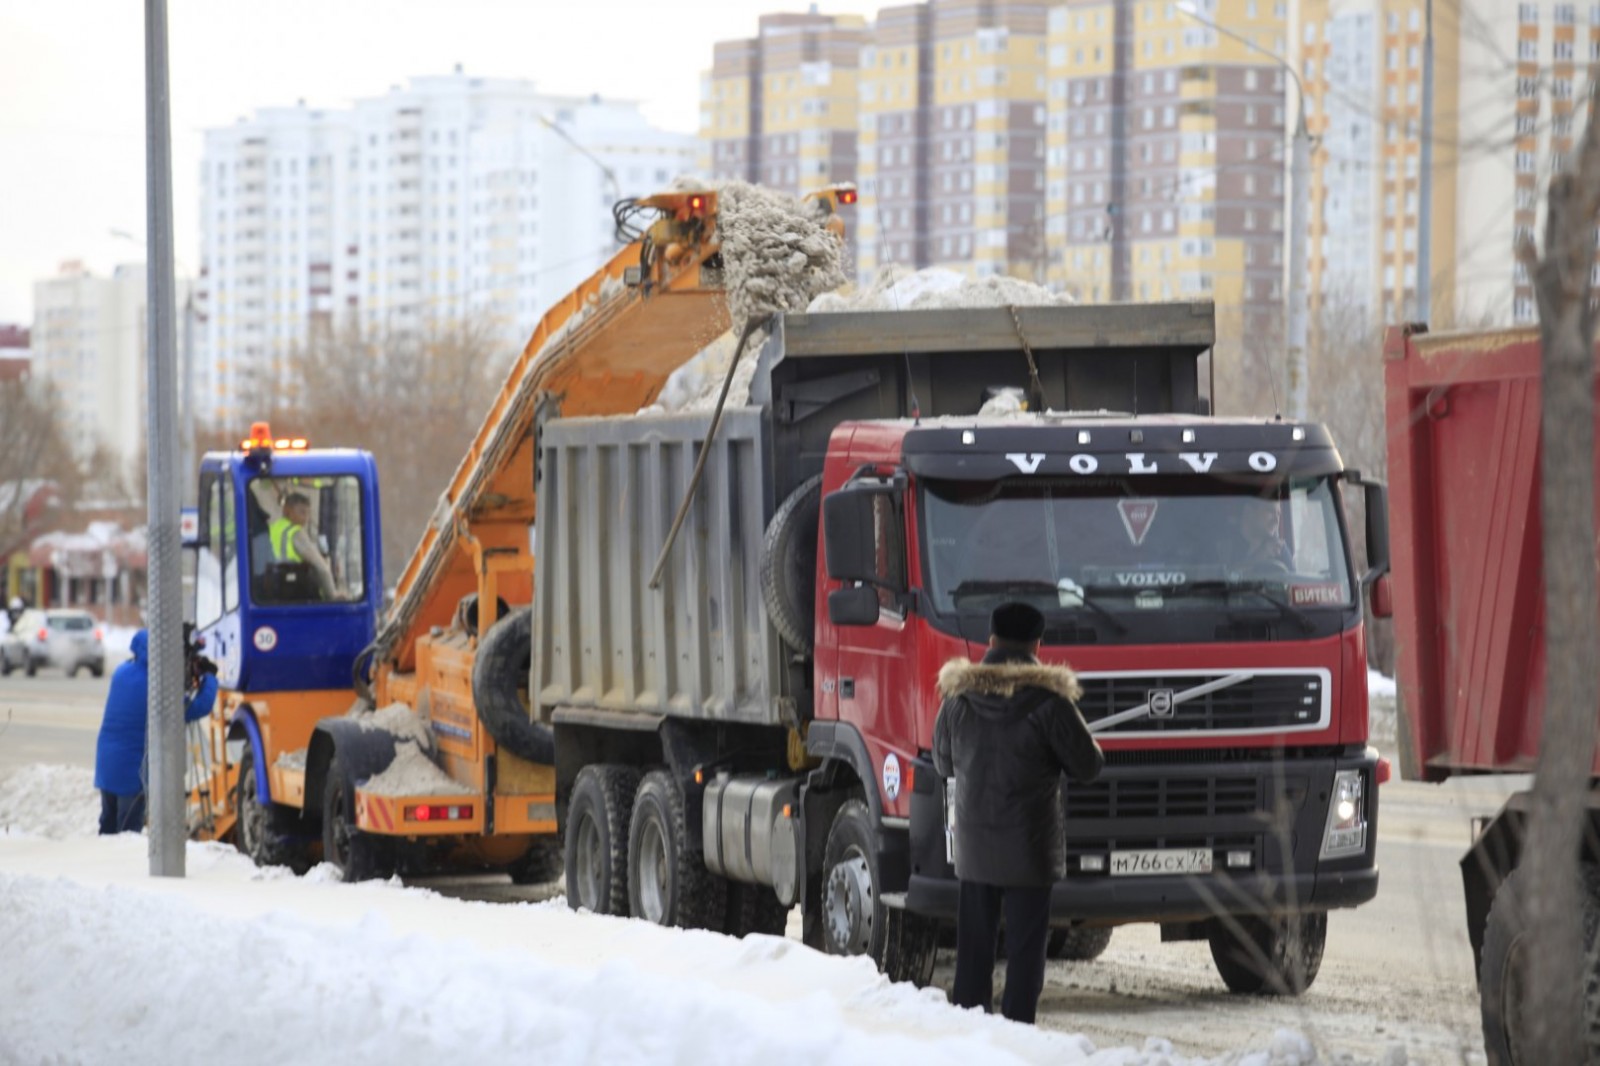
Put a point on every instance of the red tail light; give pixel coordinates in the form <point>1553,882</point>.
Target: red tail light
<point>44,635</point>
<point>98,635</point>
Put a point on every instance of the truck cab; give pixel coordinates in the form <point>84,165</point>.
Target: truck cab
<point>288,584</point>
<point>1196,568</point>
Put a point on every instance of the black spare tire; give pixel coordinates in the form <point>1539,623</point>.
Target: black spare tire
<point>500,689</point>
<point>789,565</point>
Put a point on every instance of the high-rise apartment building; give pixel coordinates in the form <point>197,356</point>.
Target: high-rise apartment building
<point>897,79</point>
<point>1509,83</point>
<point>88,345</point>
<point>780,108</point>
<point>1167,155</point>
<point>455,198</point>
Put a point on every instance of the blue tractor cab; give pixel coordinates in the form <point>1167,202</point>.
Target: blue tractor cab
<point>288,564</point>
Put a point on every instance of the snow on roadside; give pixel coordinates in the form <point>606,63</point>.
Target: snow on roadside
<point>106,964</point>
<point>49,801</point>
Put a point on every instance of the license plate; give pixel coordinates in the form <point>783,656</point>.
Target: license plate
<point>1160,861</point>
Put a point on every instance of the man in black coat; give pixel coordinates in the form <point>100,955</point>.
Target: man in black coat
<point>1008,728</point>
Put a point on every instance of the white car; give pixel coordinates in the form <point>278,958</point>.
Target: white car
<point>63,638</point>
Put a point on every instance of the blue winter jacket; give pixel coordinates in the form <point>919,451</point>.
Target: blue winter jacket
<point>119,754</point>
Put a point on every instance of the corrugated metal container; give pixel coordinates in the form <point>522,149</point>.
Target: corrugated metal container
<point>697,647</point>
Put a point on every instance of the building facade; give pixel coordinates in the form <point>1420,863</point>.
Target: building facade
<point>451,199</point>
<point>88,346</point>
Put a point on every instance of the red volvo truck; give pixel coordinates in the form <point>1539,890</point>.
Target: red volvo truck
<point>1463,417</point>
<point>751,731</point>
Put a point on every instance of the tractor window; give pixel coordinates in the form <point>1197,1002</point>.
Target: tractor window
<point>306,540</point>
<point>216,584</point>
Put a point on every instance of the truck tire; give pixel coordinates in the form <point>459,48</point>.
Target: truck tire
<point>1269,956</point>
<point>789,565</point>
<point>1079,943</point>
<point>596,834</point>
<point>541,865</point>
<point>668,882</point>
<point>855,920</point>
<point>260,831</point>
<point>754,909</point>
<point>358,856</point>
<point>500,689</point>
<point>1501,977</point>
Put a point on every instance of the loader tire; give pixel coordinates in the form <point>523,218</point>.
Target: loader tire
<point>668,882</point>
<point>500,689</point>
<point>596,834</point>
<point>789,565</point>
<point>260,831</point>
<point>358,856</point>
<point>1274,956</point>
<point>541,865</point>
<point>1502,975</point>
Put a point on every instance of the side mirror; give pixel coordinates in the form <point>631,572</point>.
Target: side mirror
<point>1377,499</point>
<point>1382,597</point>
<point>847,533</point>
<point>854,606</point>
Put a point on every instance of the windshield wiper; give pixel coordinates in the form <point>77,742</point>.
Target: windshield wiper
<point>1259,588</point>
<point>976,587</point>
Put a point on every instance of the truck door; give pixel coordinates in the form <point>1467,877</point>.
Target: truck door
<point>875,665</point>
<point>216,584</point>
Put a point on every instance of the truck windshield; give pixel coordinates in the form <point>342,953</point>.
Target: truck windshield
<point>305,540</point>
<point>1115,547</point>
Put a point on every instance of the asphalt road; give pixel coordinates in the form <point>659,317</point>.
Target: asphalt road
<point>1397,973</point>
<point>50,718</point>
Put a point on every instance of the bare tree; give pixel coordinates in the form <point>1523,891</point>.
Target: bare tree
<point>1561,280</point>
<point>412,399</point>
<point>33,447</point>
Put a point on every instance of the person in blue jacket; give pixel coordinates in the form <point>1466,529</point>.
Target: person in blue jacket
<point>119,761</point>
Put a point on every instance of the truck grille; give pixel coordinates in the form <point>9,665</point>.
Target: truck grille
<point>1173,797</point>
<point>1263,701</point>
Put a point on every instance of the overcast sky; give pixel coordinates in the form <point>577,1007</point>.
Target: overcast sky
<point>72,161</point>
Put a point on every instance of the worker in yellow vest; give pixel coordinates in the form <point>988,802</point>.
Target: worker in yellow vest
<point>292,542</point>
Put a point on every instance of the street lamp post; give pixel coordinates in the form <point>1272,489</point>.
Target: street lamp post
<point>1296,309</point>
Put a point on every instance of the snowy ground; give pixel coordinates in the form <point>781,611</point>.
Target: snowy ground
<point>105,964</point>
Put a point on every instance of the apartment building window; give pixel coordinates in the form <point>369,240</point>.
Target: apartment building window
<point>1393,58</point>
<point>1250,80</point>
<point>1563,51</point>
<point>1528,13</point>
<point>1527,88</point>
<point>1249,220</point>
<point>1526,163</point>
<point>1565,15</point>
<point>1250,114</point>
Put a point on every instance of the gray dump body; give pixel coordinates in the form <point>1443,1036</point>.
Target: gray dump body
<point>700,645</point>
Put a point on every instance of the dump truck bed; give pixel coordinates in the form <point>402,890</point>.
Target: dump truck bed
<point>1463,415</point>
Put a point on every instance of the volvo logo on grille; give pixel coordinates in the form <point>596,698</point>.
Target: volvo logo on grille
<point>1160,701</point>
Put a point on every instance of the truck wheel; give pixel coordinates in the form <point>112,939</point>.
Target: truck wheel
<point>542,864</point>
<point>1269,956</point>
<point>358,856</point>
<point>500,689</point>
<point>754,909</point>
<point>1079,943</point>
<point>259,831</point>
<point>1502,976</point>
<point>668,882</point>
<point>854,919</point>
<point>789,565</point>
<point>597,838</point>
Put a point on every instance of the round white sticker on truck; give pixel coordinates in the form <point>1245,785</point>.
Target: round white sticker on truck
<point>891,775</point>
<point>266,638</point>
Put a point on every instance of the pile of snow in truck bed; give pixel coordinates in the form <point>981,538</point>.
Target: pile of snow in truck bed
<point>105,964</point>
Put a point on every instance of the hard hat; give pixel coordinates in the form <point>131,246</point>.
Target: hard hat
<point>16,603</point>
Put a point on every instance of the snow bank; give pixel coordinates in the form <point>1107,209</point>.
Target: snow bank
<point>1380,685</point>
<point>49,801</point>
<point>106,964</point>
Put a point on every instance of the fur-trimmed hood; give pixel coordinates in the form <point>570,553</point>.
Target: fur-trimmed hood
<point>959,677</point>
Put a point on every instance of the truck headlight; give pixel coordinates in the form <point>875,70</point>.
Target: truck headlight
<point>1346,834</point>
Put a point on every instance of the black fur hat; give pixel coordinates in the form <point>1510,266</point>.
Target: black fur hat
<point>1016,623</point>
